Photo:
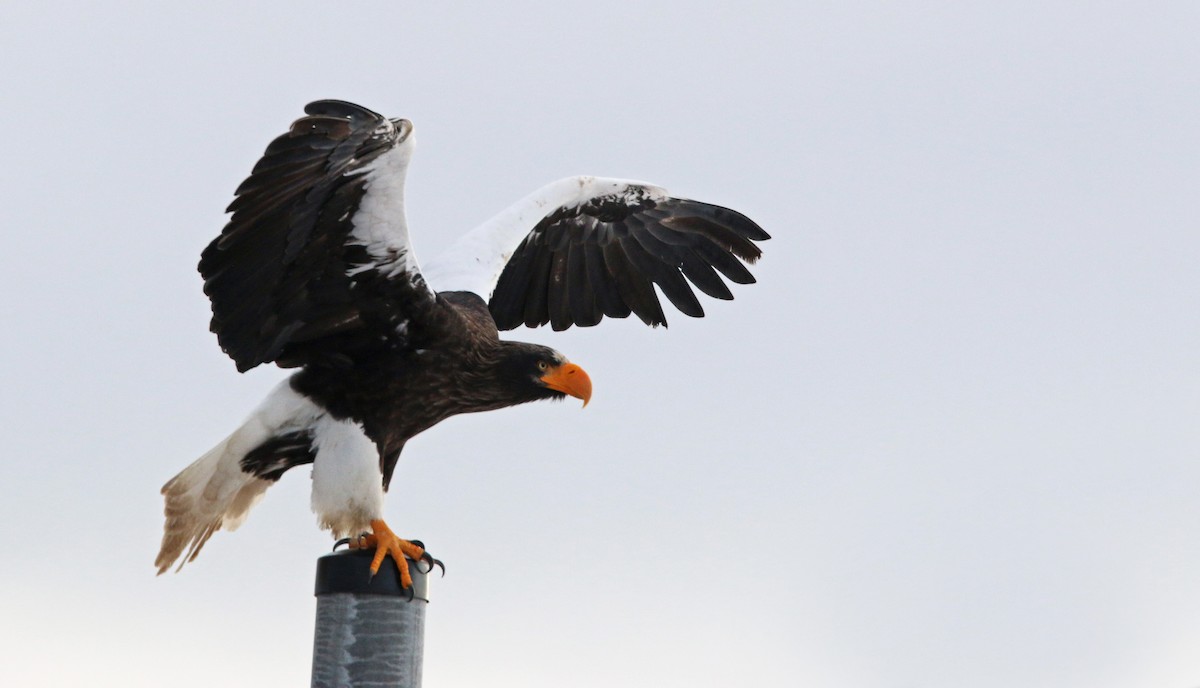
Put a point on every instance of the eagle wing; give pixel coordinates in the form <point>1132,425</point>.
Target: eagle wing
<point>315,264</point>
<point>583,248</point>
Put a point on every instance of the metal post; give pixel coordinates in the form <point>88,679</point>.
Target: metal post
<point>369,632</point>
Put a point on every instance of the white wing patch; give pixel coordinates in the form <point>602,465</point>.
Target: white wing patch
<point>380,224</point>
<point>475,261</point>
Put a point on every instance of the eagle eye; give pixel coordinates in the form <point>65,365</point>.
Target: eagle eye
<point>542,365</point>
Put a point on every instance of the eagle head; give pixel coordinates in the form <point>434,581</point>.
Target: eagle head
<point>535,372</point>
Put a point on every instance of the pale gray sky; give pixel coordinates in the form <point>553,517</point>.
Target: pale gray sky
<point>950,438</point>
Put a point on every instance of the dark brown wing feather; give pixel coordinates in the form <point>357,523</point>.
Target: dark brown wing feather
<point>603,257</point>
<point>277,274</point>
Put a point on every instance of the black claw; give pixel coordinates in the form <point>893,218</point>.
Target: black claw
<point>339,543</point>
<point>410,592</point>
<point>431,562</point>
<point>418,543</point>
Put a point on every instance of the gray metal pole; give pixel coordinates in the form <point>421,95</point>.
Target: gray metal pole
<point>369,632</point>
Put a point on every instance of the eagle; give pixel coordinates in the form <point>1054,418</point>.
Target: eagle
<point>314,271</point>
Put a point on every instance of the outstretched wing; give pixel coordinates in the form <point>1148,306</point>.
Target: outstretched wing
<point>584,247</point>
<point>315,263</point>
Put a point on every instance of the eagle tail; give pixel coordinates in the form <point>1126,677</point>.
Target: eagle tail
<point>217,491</point>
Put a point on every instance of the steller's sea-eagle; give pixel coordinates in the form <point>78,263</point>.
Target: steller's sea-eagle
<point>315,271</point>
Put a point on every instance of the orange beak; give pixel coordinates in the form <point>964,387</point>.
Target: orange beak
<point>569,378</point>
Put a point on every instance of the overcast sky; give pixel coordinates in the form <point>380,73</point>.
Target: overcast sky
<point>949,439</point>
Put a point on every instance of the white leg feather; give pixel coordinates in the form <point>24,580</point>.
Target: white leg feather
<point>214,492</point>
<point>347,480</point>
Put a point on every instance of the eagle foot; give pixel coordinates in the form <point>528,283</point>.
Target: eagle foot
<point>386,542</point>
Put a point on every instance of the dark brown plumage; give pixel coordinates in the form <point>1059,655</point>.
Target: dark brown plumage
<point>455,363</point>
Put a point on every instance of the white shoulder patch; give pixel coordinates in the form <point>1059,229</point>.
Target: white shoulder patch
<point>380,224</point>
<point>475,261</point>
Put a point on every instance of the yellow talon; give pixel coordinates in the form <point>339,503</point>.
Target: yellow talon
<point>386,542</point>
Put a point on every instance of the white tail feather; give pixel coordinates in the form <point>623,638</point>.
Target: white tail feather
<point>214,492</point>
